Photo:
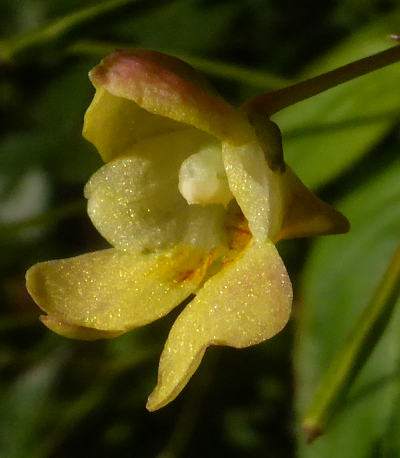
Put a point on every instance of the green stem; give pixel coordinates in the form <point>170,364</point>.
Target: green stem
<point>355,352</point>
<point>62,28</point>
<point>270,103</point>
<point>211,67</point>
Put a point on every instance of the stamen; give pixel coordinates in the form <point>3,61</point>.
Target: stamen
<point>202,178</point>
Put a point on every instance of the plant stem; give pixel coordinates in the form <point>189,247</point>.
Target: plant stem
<point>350,359</point>
<point>270,103</point>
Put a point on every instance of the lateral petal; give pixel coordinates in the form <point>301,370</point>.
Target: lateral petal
<point>247,302</point>
<point>115,291</point>
<point>135,203</point>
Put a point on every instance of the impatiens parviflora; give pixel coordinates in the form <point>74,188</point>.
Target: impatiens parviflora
<point>193,196</point>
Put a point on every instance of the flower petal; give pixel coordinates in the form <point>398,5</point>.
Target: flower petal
<point>304,214</point>
<point>168,87</point>
<point>113,124</point>
<point>72,331</point>
<point>255,187</point>
<point>247,302</point>
<point>135,203</point>
<point>110,290</point>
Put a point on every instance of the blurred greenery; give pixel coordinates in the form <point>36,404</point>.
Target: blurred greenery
<point>356,263</point>
<point>61,398</point>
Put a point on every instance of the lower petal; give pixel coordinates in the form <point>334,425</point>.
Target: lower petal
<point>72,331</point>
<point>112,290</point>
<point>247,302</point>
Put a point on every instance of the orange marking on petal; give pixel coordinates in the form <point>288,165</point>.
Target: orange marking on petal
<point>199,271</point>
<point>238,232</point>
<point>238,229</point>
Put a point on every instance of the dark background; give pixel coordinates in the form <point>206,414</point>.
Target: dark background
<point>61,398</point>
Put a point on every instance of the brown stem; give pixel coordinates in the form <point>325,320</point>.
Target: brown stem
<point>270,103</point>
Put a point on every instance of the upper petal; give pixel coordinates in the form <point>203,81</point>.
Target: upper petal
<point>135,203</point>
<point>163,86</point>
<point>111,290</point>
<point>247,302</point>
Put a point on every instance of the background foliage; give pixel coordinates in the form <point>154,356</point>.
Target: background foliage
<point>61,398</point>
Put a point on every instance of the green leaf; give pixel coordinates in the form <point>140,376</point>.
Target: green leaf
<point>325,135</point>
<point>180,25</point>
<point>60,30</point>
<point>340,277</point>
<point>355,352</point>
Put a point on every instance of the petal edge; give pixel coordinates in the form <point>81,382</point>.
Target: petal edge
<point>168,87</point>
<point>247,302</point>
<point>304,214</point>
<point>115,291</point>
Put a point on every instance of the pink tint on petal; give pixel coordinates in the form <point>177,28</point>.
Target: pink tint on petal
<point>168,87</point>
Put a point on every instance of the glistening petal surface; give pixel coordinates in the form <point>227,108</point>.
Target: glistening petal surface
<point>168,87</point>
<point>255,188</point>
<point>113,124</point>
<point>112,290</point>
<point>247,302</point>
<point>72,331</point>
<point>135,203</point>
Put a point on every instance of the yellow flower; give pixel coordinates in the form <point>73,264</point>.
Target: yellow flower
<point>189,204</point>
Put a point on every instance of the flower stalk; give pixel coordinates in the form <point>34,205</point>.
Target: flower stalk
<point>270,103</point>
<point>351,358</point>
